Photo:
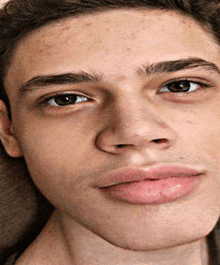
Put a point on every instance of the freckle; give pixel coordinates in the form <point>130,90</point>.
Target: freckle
<point>89,24</point>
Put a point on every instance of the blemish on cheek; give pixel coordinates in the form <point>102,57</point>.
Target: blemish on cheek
<point>89,24</point>
<point>128,48</point>
<point>133,36</point>
<point>189,122</point>
<point>44,51</point>
<point>66,28</point>
<point>49,46</point>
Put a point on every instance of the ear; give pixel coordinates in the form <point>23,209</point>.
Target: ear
<point>7,137</point>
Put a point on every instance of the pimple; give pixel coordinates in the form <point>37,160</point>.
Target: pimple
<point>67,28</point>
<point>48,46</point>
<point>121,78</point>
<point>44,51</point>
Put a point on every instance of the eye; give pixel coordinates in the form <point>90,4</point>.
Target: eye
<point>65,100</point>
<point>181,86</point>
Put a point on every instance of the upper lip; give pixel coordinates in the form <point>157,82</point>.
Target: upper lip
<point>153,172</point>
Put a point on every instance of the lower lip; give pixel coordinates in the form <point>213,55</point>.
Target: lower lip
<point>153,191</point>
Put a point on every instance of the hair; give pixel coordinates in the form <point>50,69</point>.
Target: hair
<point>20,17</point>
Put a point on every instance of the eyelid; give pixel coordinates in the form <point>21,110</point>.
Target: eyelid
<point>189,79</point>
<point>77,100</point>
<point>198,81</point>
<point>43,100</point>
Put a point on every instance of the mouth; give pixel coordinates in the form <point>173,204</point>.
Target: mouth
<point>152,185</point>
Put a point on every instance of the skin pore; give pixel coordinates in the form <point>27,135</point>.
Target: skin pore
<point>125,115</point>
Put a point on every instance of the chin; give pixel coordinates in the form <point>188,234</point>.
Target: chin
<point>155,246</point>
<point>154,242</point>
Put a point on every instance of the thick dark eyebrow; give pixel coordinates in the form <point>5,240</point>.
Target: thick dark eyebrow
<point>58,79</point>
<point>178,65</point>
<point>81,77</point>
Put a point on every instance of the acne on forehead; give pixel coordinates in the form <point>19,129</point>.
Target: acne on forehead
<point>100,36</point>
<point>109,21</point>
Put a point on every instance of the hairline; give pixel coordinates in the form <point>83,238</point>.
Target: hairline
<point>29,32</point>
<point>66,17</point>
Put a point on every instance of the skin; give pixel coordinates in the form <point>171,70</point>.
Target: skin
<point>69,149</point>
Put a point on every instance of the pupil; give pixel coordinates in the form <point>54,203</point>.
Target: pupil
<point>181,86</point>
<point>65,99</point>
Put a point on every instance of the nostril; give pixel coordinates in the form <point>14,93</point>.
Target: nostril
<point>157,141</point>
<point>120,145</point>
<point>160,141</point>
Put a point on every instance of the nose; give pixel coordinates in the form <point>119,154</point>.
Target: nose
<point>134,126</point>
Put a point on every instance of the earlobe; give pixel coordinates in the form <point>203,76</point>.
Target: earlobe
<point>7,137</point>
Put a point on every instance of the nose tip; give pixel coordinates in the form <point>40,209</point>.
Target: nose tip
<point>134,125</point>
<point>108,142</point>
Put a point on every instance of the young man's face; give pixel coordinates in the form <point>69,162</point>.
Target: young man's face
<point>120,110</point>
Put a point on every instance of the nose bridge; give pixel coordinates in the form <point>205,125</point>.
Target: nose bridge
<point>130,116</point>
<point>136,118</point>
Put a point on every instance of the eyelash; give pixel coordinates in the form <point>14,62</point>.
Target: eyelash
<point>72,97</point>
<point>186,81</point>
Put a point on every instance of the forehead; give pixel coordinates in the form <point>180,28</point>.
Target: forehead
<point>116,39</point>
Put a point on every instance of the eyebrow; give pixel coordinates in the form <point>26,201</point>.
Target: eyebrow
<point>177,65</point>
<point>42,81</point>
<point>58,79</point>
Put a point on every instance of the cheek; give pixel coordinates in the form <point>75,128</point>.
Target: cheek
<point>206,139</point>
<point>55,133</point>
<point>198,130</point>
<point>199,143</point>
<point>55,145</point>
<point>55,160</point>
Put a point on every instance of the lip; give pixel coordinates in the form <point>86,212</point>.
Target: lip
<point>160,183</point>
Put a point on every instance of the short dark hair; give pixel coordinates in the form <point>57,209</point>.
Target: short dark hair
<point>20,17</point>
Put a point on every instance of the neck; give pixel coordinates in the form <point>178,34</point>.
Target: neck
<point>83,243</point>
<point>65,240</point>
